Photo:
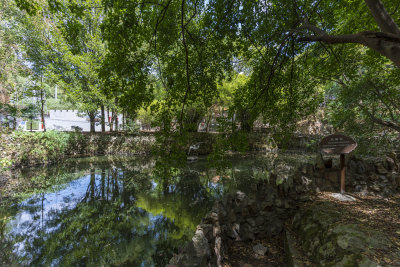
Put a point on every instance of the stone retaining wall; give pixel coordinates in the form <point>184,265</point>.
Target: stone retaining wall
<point>242,217</point>
<point>263,213</point>
<point>374,176</point>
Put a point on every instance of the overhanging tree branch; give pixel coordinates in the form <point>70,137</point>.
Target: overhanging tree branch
<point>390,124</point>
<point>386,42</point>
<point>382,17</point>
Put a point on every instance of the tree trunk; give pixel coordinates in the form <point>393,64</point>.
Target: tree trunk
<point>109,119</point>
<point>246,124</point>
<point>123,120</point>
<point>116,115</point>
<point>31,125</point>
<point>111,122</point>
<point>103,122</point>
<point>92,117</point>
<point>42,105</point>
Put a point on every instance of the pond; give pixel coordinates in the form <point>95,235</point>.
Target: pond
<point>113,211</point>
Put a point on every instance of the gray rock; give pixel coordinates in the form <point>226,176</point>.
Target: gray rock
<point>390,163</point>
<point>373,177</point>
<point>352,166</point>
<point>352,238</point>
<point>383,178</point>
<point>274,226</point>
<point>200,244</point>
<point>207,230</point>
<point>380,168</point>
<point>195,253</point>
<point>231,216</point>
<point>358,188</point>
<point>260,220</point>
<point>251,221</point>
<point>211,217</point>
<point>266,203</point>
<point>306,181</point>
<point>240,195</point>
<point>319,163</point>
<point>279,202</point>
<point>332,176</point>
<point>393,156</point>
<point>287,204</point>
<point>343,197</point>
<point>393,179</point>
<point>354,260</point>
<point>375,188</point>
<point>216,229</point>
<point>360,167</point>
<point>246,232</point>
<point>233,232</point>
<point>260,249</point>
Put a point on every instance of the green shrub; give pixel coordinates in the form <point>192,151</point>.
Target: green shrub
<point>5,163</point>
<point>39,147</point>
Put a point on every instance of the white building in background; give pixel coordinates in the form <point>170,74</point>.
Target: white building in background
<point>67,120</point>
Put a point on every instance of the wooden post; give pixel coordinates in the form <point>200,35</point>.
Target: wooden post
<point>339,144</point>
<point>342,173</point>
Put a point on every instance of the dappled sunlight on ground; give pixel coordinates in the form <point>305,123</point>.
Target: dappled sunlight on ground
<point>373,212</point>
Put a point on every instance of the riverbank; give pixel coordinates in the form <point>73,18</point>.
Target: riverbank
<point>22,149</point>
<point>25,149</point>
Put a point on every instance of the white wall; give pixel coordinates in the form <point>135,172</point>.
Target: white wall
<point>63,120</point>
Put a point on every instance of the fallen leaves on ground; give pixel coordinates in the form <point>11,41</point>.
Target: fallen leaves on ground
<point>241,254</point>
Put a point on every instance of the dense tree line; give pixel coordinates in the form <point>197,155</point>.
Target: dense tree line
<point>178,61</point>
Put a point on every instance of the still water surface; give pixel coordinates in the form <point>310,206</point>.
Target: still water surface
<point>120,211</point>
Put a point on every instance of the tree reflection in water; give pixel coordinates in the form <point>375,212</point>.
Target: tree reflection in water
<point>120,212</point>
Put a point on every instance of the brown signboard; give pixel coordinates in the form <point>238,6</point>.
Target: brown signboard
<point>337,144</point>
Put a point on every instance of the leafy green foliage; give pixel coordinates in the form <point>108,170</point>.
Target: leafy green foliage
<point>367,103</point>
<point>39,147</point>
<point>175,63</point>
<point>5,164</point>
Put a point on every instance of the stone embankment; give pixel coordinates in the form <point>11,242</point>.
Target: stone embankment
<point>29,149</point>
<point>238,217</point>
<point>315,232</point>
<point>373,176</point>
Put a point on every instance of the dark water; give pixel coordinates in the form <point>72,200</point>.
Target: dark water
<point>120,211</point>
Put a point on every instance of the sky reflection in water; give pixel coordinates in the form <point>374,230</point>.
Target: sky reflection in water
<point>120,212</point>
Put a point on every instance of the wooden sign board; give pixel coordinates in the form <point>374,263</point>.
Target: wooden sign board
<point>337,144</point>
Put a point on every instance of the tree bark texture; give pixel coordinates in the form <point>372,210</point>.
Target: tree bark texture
<point>92,116</point>
<point>42,106</point>
<point>115,115</point>
<point>103,122</point>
